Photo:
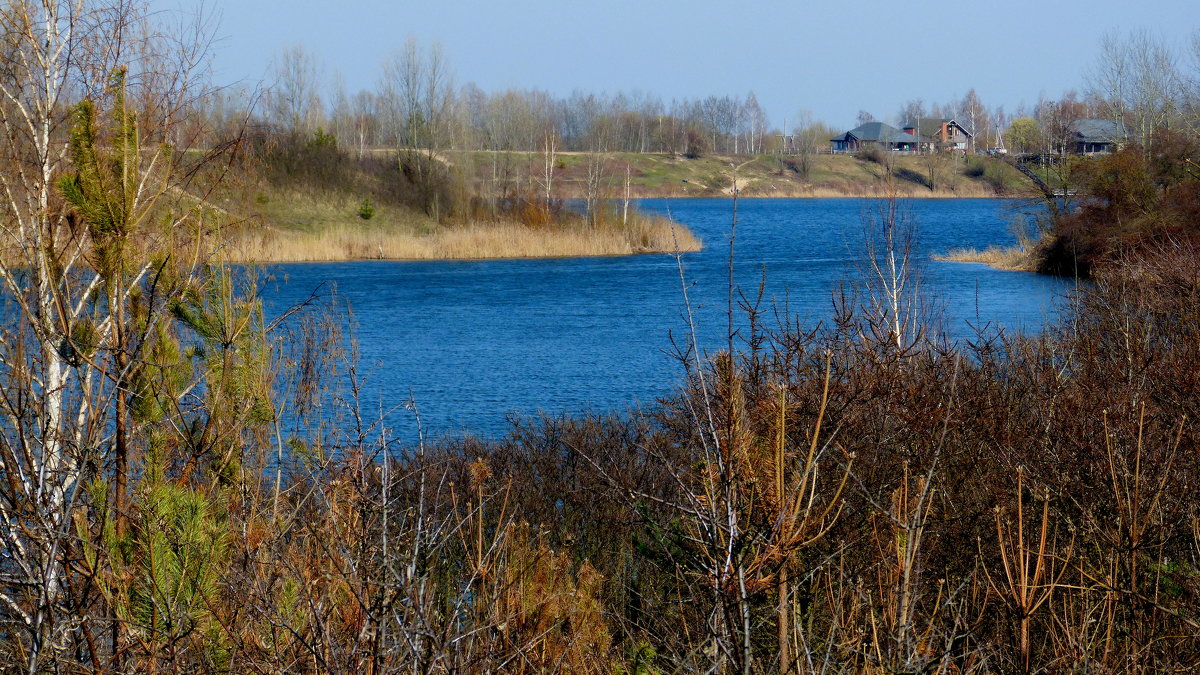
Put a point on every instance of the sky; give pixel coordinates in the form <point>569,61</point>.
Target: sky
<point>830,58</point>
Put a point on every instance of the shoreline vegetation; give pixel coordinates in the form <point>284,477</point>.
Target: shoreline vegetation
<point>1014,258</point>
<point>304,199</point>
<point>479,241</point>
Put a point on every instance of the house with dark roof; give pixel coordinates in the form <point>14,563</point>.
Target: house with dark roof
<point>877,134</point>
<point>941,134</point>
<point>1091,137</point>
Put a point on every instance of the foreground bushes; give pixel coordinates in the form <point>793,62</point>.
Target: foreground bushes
<point>826,499</point>
<point>1008,504</point>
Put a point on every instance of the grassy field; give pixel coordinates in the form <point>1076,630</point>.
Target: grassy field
<point>660,175</point>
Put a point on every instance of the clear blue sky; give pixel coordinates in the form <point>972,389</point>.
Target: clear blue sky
<point>833,58</point>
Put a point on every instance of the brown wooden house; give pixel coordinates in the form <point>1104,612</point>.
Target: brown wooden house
<point>941,134</point>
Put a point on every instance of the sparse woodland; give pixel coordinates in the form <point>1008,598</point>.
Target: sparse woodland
<point>188,485</point>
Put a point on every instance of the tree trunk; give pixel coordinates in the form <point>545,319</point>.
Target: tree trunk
<point>782,612</point>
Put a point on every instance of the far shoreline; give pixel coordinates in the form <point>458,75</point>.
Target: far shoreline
<point>347,242</point>
<point>871,196</point>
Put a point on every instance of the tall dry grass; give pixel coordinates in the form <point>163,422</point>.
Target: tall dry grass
<point>476,241</point>
<point>1012,258</point>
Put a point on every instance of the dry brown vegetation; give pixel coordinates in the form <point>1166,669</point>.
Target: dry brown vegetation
<point>826,500</point>
<point>458,243</point>
<point>1138,197</point>
<point>1013,258</point>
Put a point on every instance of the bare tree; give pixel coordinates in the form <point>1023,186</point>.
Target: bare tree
<point>1135,77</point>
<point>895,312</point>
<point>293,102</point>
<point>721,115</point>
<point>417,91</point>
<point>912,111</point>
<point>365,112</point>
<point>756,124</point>
<point>597,172</point>
<point>549,163</point>
<point>1058,120</point>
<point>1189,86</point>
<point>808,139</point>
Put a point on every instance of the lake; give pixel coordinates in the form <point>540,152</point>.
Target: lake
<point>477,341</point>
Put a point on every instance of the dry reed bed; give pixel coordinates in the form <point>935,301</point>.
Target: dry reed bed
<point>477,241</point>
<point>1010,258</point>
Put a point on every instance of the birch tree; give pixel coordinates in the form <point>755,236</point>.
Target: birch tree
<point>973,116</point>
<point>756,125</point>
<point>91,255</point>
<point>1189,83</point>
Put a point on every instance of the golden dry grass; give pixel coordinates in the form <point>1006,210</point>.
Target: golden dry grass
<point>1012,258</point>
<point>477,241</point>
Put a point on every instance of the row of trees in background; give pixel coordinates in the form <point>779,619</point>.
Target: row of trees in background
<point>418,104</point>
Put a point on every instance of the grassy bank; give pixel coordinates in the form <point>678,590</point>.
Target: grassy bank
<point>820,176</point>
<point>306,200</point>
<point>297,221</point>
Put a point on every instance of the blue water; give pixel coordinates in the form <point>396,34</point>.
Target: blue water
<point>475,342</point>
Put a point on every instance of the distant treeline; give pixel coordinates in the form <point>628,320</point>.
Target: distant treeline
<point>1136,80</point>
<point>417,104</point>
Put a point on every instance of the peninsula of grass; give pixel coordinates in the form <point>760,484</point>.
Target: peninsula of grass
<point>308,200</point>
<point>306,228</point>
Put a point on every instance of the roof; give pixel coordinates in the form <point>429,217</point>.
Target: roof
<point>932,126</point>
<point>1099,131</point>
<point>877,132</point>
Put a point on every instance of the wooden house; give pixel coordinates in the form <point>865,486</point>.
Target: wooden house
<point>883,136</point>
<point>941,134</point>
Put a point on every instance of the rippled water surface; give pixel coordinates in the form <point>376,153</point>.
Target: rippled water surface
<point>477,341</point>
